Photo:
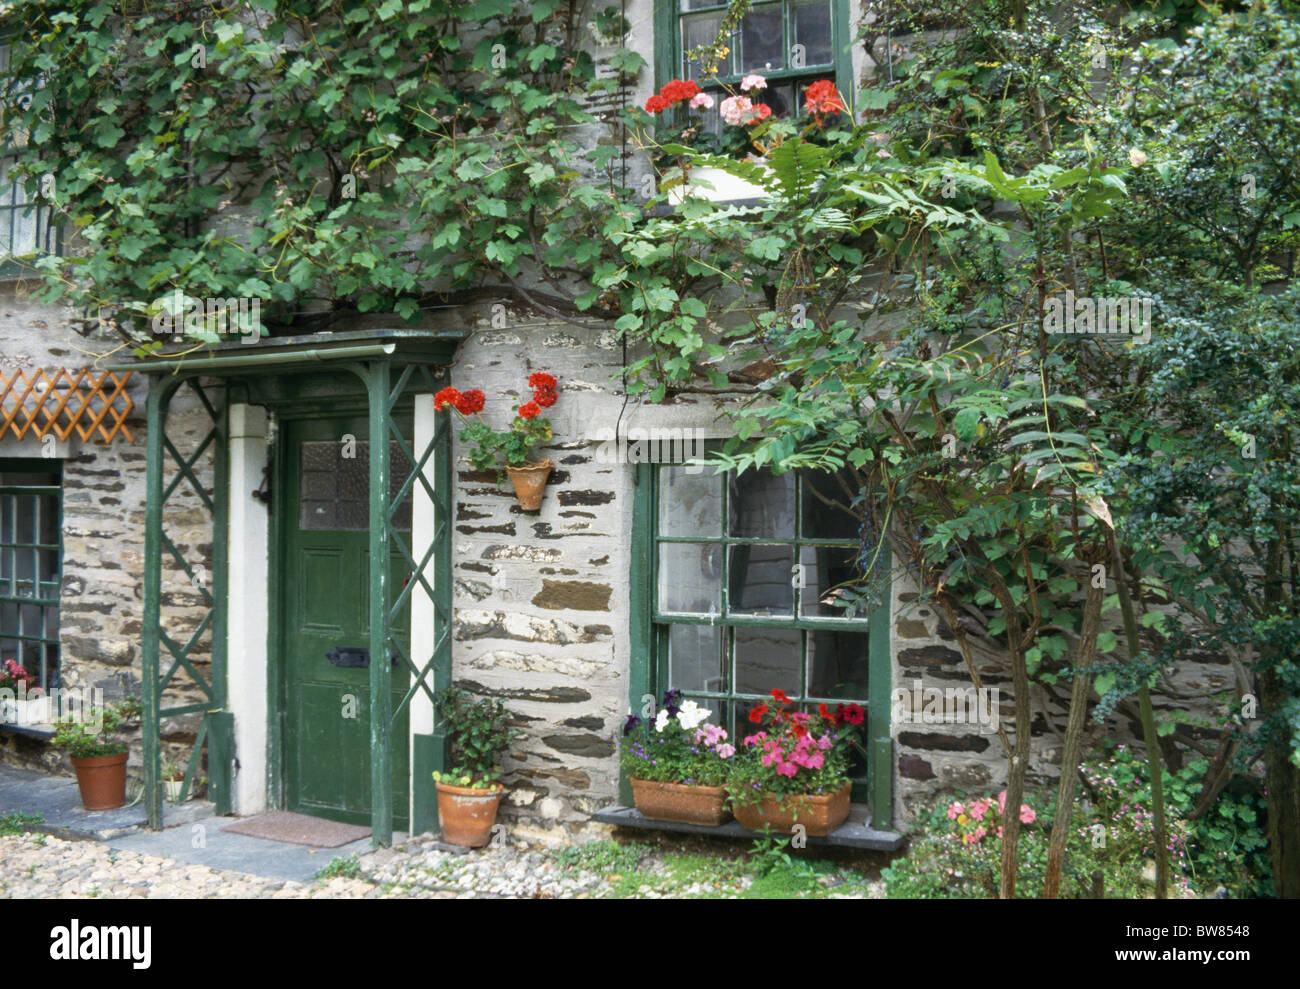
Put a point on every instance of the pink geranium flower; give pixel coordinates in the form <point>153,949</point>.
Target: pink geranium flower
<point>735,109</point>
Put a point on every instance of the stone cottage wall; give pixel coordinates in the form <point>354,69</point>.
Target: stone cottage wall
<point>958,756</point>
<point>101,602</point>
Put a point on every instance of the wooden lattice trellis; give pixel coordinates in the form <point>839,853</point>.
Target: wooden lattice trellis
<point>63,400</point>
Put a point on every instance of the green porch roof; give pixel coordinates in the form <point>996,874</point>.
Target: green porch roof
<point>280,355</point>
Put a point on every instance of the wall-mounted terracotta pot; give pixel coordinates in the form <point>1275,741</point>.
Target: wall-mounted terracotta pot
<point>530,483</point>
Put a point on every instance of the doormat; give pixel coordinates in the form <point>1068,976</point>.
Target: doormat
<point>300,829</point>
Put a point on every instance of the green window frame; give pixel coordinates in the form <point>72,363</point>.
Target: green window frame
<point>26,228</point>
<point>681,25</point>
<point>31,565</point>
<point>713,647</point>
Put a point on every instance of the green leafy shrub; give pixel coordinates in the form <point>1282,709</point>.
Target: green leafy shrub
<point>1112,832</point>
<point>84,738</point>
<point>478,733</point>
<point>1227,845</point>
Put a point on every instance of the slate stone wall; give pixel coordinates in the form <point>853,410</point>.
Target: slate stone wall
<point>100,610</point>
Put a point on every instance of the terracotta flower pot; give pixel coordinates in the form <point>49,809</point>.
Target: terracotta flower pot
<point>466,815</point>
<point>102,781</point>
<point>530,483</point>
<point>680,802</point>
<point>820,813</point>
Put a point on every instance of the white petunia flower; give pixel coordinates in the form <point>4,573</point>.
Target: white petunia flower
<point>691,715</point>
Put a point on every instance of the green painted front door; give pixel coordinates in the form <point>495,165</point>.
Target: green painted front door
<point>325,580</point>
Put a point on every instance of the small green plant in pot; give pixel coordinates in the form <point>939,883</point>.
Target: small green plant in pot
<point>93,740</point>
<point>173,778</point>
<point>478,734</point>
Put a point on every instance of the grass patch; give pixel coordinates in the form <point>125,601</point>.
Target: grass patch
<point>345,868</point>
<point>604,857</point>
<point>14,824</point>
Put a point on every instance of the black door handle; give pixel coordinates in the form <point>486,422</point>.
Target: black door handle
<point>355,657</point>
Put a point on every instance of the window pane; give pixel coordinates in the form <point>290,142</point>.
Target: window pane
<point>765,659</point>
<point>762,505</point>
<point>827,511</point>
<point>319,484</point>
<point>699,31</point>
<point>824,569</point>
<point>811,26</point>
<point>838,664</point>
<point>761,580</point>
<point>778,98</point>
<point>690,578</point>
<point>335,490</point>
<point>316,515</point>
<point>762,46</point>
<point>695,658</point>
<point>689,504</point>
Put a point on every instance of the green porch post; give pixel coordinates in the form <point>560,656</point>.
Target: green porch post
<point>160,393</point>
<point>381,671</point>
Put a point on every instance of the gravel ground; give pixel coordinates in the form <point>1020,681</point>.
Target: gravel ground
<point>36,865</point>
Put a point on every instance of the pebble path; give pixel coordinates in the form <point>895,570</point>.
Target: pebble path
<point>39,866</point>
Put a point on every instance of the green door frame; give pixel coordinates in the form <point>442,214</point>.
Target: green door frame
<point>274,374</point>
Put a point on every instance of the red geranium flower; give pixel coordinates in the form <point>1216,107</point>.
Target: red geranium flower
<point>467,403</point>
<point>756,715</point>
<point>779,696</point>
<point>656,104</point>
<point>677,90</point>
<point>448,396</point>
<point>540,379</point>
<point>828,714</point>
<point>799,730</point>
<point>545,397</point>
<point>759,112</point>
<point>529,409</point>
<point>822,98</point>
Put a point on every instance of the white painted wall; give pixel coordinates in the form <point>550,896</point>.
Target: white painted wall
<point>247,610</point>
<point>422,616</point>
